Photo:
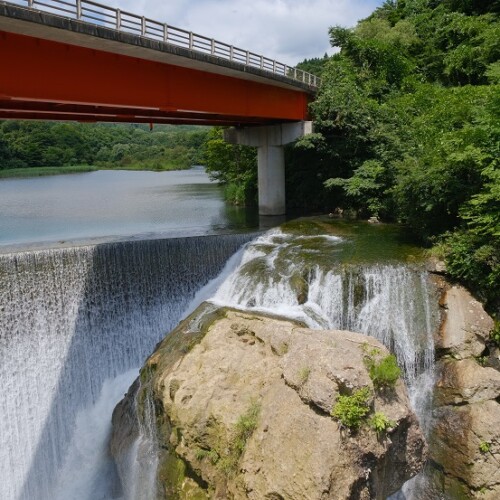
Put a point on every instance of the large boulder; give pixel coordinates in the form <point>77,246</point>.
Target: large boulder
<point>243,408</point>
<point>466,325</point>
<point>465,441</point>
<point>465,381</point>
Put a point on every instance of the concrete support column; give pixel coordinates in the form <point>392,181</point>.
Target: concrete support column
<point>269,140</point>
<point>271,180</point>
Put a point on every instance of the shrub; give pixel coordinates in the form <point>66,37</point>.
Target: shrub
<point>380,423</point>
<point>351,410</point>
<point>384,372</point>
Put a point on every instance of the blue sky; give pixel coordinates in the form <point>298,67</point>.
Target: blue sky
<point>286,30</point>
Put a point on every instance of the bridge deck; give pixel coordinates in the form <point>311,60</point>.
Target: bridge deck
<point>63,68</point>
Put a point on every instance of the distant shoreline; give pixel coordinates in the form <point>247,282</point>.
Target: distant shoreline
<point>18,173</point>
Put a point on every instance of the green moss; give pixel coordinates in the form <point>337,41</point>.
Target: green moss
<point>304,375</point>
<point>228,449</point>
<point>172,473</point>
<point>177,480</point>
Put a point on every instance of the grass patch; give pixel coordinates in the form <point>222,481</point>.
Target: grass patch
<point>304,375</point>
<point>44,171</point>
<point>384,372</point>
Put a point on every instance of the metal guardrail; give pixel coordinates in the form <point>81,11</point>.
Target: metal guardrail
<point>120,20</point>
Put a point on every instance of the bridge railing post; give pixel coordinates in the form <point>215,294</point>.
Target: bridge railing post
<point>231,53</point>
<point>143,26</point>
<point>212,47</point>
<point>30,3</point>
<point>78,9</point>
<point>191,40</point>
<point>165,32</point>
<point>118,19</point>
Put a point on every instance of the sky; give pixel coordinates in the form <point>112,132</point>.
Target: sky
<point>286,30</point>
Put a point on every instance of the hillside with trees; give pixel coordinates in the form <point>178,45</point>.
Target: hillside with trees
<point>25,144</point>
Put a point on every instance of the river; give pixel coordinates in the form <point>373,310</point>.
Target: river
<point>113,204</point>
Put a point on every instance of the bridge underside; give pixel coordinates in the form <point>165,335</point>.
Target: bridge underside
<point>51,80</point>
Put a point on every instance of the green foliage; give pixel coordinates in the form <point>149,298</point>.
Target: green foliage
<point>229,447</point>
<point>408,129</point>
<point>495,334</point>
<point>245,427</point>
<point>314,65</point>
<point>472,253</point>
<point>38,144</point>
<point>235,167</point>
<point>383,372</point>
<point>482,360</point>
<point>484,447</point>
<point>351,410</point>
<point>44,171</point>
<point>380,423</point>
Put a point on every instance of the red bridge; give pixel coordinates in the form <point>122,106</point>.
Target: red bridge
<point>80,60</point>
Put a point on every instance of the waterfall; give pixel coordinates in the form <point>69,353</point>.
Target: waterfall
<point>284,274</point>
<point>301,277</point>
<point>73,322</point>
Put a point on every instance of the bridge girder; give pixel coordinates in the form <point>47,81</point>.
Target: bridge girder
<point>45,79</point>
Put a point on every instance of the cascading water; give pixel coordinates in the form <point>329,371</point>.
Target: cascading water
<point>301,277</point>
<point>73,322</point>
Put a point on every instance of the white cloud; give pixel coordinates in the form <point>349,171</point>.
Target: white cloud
<point>286,30</point>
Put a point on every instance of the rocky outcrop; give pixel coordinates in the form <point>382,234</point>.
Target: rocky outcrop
<point>465,443</point>
<point>243,408</point>
<point>466,326</point>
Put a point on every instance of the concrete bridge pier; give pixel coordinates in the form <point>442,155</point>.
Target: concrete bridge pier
<point>270,140</point>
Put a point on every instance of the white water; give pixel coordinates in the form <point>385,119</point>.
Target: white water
<point>390,302</point>
<point>394,303</point>
<point>72,321</point>
<point>87,467</point>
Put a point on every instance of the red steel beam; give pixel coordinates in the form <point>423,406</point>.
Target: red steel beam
<point>68,82</point>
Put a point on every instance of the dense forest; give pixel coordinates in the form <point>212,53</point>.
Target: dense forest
<point>407,128</point>
<point>25,144</point>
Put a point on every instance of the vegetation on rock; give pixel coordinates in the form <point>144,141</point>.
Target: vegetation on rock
<point>484,447</point>
<point>384,372</point>
<point>380,423</point>
<point>351,410</point>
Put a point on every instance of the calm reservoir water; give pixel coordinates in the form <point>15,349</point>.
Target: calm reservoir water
<point>112,204</point>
